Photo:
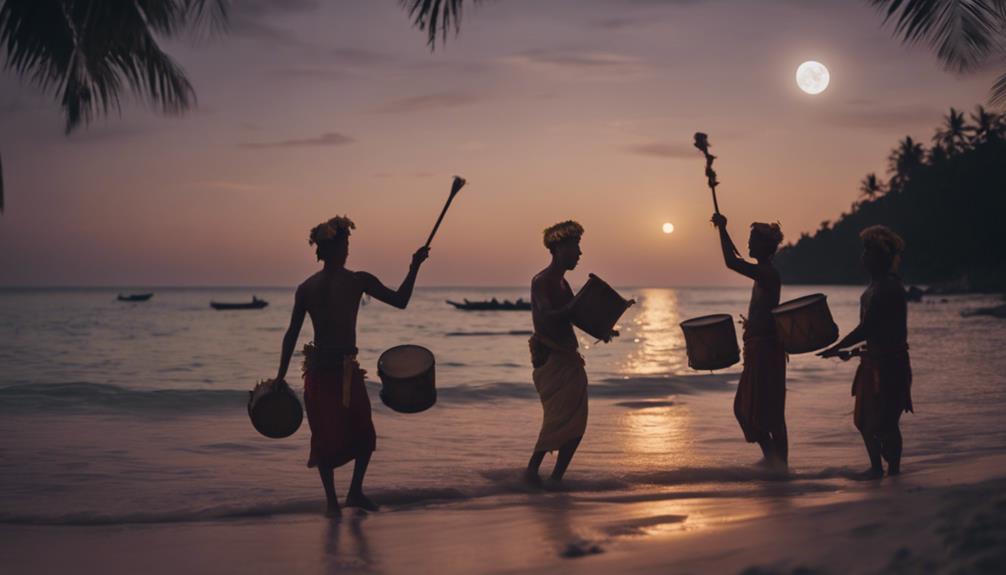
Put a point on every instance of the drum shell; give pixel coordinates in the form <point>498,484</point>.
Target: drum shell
<point>275,410</point>
<point>408,394</point>
<point>711,346</point>
<point>598,308</point>
<point>806,328</point>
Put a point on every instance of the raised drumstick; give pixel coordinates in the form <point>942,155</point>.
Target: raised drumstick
<point>459,183</point>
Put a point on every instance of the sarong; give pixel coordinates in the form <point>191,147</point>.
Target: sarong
<point>338,408</point>
<point>883,391</point>
<point>562,386</point>
<point>760,403</point>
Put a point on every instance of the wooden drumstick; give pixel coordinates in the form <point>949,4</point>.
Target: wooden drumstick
<point>459,183</point>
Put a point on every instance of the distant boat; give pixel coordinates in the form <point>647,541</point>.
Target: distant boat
<point>135,297</point>
<point>255,303</point>
<point>492,305</point>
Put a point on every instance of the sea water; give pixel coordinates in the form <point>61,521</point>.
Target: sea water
<point>114,412</point>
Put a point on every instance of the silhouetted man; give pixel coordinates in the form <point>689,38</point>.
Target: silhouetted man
<point>335,397</point>
<point>883,382</point>
<point>760,403</point>
<point>559,374</point>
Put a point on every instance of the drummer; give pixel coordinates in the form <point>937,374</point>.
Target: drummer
<point>338,408</point>
<point>883,381</point>
<point>760,403</point>
<point>559,374</point>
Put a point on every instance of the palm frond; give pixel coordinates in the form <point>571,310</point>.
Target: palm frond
<point>85,52</point>
<point>435,16</point>
<point>998,97</point>
<point>963,32</point>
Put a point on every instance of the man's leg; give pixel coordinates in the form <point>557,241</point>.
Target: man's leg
<point>876,469</point>
<point>891,450</point>
<point>533,465</point>
<point>780,440</point>
<point>327,474</point>
<point>565,456</point>
<point>355,497</point>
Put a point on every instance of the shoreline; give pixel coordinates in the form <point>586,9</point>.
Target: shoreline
<point>948,515</point>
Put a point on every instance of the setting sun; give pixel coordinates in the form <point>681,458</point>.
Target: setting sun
<point>668,227</point>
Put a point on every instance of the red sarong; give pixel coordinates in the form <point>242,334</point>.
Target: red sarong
<point>339,417</point>
<point>760,403</point>
<point>883,390</point>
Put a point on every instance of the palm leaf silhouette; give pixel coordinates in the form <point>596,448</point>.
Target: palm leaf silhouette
<point>86,53</point>
<point>964,33</point>
<point>435,16</point>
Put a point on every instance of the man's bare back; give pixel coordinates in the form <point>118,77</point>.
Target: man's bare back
<point>332,300</point>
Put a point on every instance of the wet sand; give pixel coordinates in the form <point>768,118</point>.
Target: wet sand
<point>951,517</point>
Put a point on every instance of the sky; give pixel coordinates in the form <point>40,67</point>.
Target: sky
<point>552,109</point>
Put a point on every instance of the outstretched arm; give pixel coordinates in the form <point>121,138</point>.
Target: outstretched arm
<point>292,333</point>
<point>400,297</point>
<point>731,256</point>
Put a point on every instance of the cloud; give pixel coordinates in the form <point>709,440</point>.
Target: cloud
<point>326,139</point>
<point>663,150</point>
<point>578,62</point>
<point>870,115</point>
<point>227,186</point>
<point>255,19</point>
<point>426,102</point>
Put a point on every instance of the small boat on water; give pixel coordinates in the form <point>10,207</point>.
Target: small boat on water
<point>135,297</point>
<point>492,305</point>
<point>255,303</point>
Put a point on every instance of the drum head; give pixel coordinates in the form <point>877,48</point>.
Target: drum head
<point>707,320</point>
<point>405,361</point>
<point>277,414</point>
<point>805,301</point>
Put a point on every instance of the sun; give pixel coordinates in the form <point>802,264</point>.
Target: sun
<point>812,77</point>
<point>668,227</point>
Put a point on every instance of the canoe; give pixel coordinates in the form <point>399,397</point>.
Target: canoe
<point>255,303</point>
<point>135,297</point>
<point>492,305</point>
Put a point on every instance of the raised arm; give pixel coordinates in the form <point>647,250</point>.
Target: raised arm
<point>398,298</point>
<point>292,333</point>
<point>731,257</point>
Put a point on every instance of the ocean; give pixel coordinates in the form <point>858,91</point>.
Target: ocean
<point>122,413</point>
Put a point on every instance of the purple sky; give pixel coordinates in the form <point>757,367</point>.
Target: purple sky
<point>552,109</point>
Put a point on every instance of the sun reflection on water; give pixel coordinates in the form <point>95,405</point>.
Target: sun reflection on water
<point>659,341</point>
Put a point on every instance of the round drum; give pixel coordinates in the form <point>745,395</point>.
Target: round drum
<point>408,378</point>
<point>598,308</point>
<point>805,324</point>
<point>274,409</point>
<point>711,341</point>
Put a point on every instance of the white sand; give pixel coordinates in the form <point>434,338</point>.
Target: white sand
<point>950,518</point>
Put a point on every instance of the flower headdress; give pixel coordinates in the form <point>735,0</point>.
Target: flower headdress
<point>561,232</point>
<point>339,225</point>
<point>771,232</point>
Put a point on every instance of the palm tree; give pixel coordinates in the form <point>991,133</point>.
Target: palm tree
<point>435,16</point>
<point>952,137</point>
<point>903,162</point>
<point>85,52</point>
<point>871,187</point>
<point>987,126</point>
<point>965,33</point>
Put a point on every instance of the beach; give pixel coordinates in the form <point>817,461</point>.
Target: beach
<point>126,448</point>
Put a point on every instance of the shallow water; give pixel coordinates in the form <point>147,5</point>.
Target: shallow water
<point>117,412</point>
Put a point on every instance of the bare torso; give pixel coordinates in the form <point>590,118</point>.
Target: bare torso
<point>550,292</point>
<point>332,300</point>
<point>764,297</point>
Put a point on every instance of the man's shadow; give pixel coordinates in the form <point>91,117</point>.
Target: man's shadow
<point>351,554</point>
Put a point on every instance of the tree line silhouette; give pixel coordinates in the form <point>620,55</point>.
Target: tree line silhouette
<point>947,201</point>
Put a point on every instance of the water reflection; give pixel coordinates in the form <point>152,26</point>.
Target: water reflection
<point>659,343</point>
<point>663,432</point>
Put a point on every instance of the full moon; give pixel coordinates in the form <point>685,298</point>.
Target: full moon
<point>812,77</point>
<point>668,227</point>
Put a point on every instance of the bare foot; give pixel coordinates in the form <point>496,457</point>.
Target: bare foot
<point>893,469</point>
<point>871,474</point>
<point>532,478</point>
<point>764,463</point>
<point>360,500</point>
<point>333,510</point>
